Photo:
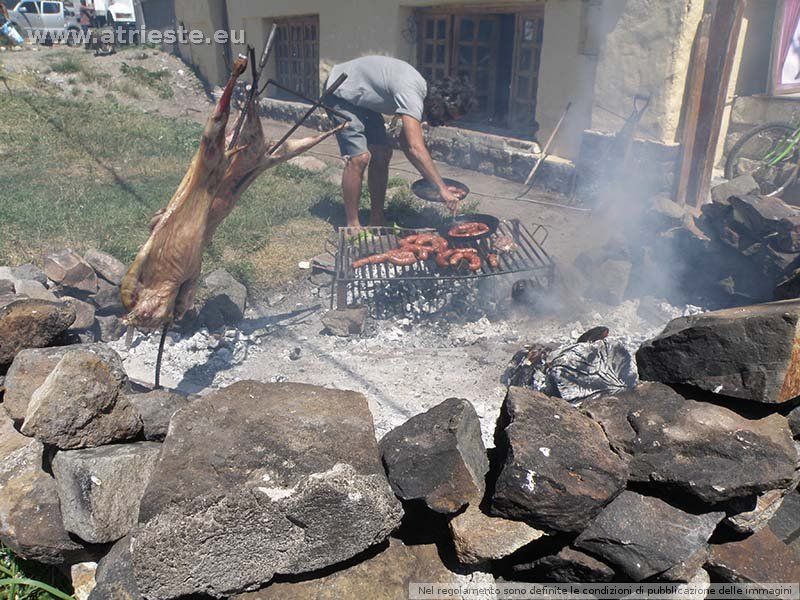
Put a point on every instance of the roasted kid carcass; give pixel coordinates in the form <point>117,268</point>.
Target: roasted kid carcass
<point>160,284</point>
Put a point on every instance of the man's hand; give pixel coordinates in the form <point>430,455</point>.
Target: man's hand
<point>451,196</point>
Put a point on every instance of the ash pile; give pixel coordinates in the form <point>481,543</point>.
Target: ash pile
<point>687,474</point>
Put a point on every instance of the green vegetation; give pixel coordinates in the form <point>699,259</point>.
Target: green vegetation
<point>23,580</point>
<point>67,64</point>
<point>156,80</point>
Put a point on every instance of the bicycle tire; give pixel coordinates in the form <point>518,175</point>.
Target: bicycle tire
<point>730,160</point>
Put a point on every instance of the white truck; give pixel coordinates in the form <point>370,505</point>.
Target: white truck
<point>114,12</point>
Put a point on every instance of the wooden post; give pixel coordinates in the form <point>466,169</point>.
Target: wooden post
<point>691,111</point>
<point>726,22</point>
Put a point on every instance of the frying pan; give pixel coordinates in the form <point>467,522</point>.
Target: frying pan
<point>423,189</point>
<point>492,222</point>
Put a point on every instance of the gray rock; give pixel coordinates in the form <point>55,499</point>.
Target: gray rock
<point>82,578</point>
<point>686,570</point>
<point>663,213</point>
<point>438,457</point>
<point>28,371</point>
<point>155,409</point>
<point>6,299</point>
<point>34,289</point>
<point>69,270</point>
<point>6,287</point>
<point>309,163</point>
<point>107,300</point>
<point>100,488</point>
<point>110,328</point>
<point>609,281</point>
<point>558,469</point>
<point>568,566</point>
<point>743,185</point>
<point>106,266</point>
<point>769,218</point>
<point>285,478</point>
<point>114,577</point>
<point>752,353</point>
<point>7,273</point>
<point>645,536</point>
<point>760,510</point>
<point>225,302</point>
<point>759,558</point>
<point>704,450</point>
<point>29,271</point>
<point>31,324</point>
<point>479,538</point>
<point>84,313</point>
<point>385,576</point>
<point>794,421</point>
<point>346,321</point>
<point>30,516</point>
<point>79,405</point>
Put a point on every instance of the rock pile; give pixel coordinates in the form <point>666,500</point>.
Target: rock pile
<point>86,294</point>
<point>281,490</point>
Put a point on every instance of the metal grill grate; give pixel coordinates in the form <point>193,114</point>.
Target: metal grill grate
<point>355,284</point>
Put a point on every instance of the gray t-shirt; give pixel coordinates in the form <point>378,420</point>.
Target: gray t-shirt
<point>383,84</point>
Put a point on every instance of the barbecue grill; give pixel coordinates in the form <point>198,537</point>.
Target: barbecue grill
<point>356,286</point>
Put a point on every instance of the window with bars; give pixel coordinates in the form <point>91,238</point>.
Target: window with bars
<point>297,54</point>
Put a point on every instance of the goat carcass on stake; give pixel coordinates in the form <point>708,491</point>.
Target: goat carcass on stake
<point>160,285</point>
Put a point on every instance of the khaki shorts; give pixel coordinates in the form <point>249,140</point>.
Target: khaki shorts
<point>367,128</point>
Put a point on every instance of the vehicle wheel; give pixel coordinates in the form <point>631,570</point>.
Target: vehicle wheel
<point>748,153</point>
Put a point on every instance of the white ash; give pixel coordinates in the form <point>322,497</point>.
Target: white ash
<point>403,366</point>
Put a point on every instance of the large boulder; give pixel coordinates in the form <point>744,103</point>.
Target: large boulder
<point>84,313</point>
<point>385,576</point>
<point>105,265</point>
<point>770,219</point>
<point>743,185</point>
<point>68,269</point>
<point>100,488</point>
<point>28,371</point>
<point>479,538</point>
<point>438,456</point>
<point>285,478</point>
<point>114,578</point>
<point>30,516</point>
<point>31,324</point>
<point>33,289</point>
<point>703,450</point>
<point>558,468</point>
<point>29,271</point>
<point>759,558</point>
<point>225,302</point>
<point>80,404</point>
<point>108,300</point>
<point>644,536</point>
<point>155,409</point>
<point>752,353</point>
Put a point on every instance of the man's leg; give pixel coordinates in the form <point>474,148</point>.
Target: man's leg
<point>377,180</point>
<point>352,180</point>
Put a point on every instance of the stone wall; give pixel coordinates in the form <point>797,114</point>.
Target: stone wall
<point>749,111</point>
<point>486,153</point>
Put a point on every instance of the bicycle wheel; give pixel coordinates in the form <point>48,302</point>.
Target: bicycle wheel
<point>765,152</point>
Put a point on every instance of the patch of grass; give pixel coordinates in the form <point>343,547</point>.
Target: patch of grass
<point>128,88</point>
<point>158,81</point>
<point>67,64</point>
<point>24,580</point>
<point>69,180</point>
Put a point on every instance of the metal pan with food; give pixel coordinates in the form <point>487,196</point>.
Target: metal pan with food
<point>423,189</point>
<point>470,228</point>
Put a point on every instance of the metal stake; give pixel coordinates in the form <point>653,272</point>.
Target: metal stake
<point>160,355</point>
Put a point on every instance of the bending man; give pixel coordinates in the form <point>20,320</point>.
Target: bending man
<point>377,86</point>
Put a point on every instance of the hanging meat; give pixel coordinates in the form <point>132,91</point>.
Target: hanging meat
<point>160,284</point>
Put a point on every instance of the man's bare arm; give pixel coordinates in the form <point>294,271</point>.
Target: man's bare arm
<point>413,144</point>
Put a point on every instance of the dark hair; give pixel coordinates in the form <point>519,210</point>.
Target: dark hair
<point>448,98</point>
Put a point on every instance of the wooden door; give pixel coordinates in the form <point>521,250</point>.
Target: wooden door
<point>525,73</point>
<point>475,56</point>
<point>297,54</point>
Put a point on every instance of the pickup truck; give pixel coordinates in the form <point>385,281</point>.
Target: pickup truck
<point>46,20</point>
<point>116,13</point>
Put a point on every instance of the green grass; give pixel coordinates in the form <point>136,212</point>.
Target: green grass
<point>67,65</point>
<point>155,80</point>
<point>23,580</point>
<point>69,180</point>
